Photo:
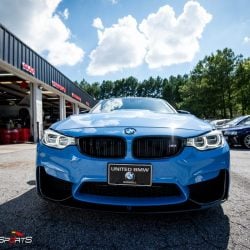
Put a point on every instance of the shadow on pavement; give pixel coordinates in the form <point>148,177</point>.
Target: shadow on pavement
<point>56,227</point>
<point>239,149</point>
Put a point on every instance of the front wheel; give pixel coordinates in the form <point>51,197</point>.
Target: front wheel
<point>246,141</point>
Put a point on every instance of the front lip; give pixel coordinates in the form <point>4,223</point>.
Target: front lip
<point>187,206</point>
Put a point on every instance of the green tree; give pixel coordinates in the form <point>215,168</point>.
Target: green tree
<point>210,91</point>
<point>242,81</point>
<point>125,87</point>
<point>92,89</point>
<point>151,88</point>
<point>106,90</point>
<point>171,89</point>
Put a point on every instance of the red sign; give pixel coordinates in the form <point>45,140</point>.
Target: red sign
<point>58,86</point>
<point>78,98</point>
<point>28,68</point>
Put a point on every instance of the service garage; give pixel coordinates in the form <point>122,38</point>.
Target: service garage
<point>33,93</point>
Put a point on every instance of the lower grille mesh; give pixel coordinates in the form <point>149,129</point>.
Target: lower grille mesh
<point>156,190</point>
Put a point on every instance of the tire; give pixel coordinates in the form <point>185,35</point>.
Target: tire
<point>246,141</point>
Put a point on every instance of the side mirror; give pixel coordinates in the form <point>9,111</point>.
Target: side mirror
<point>180,111</point>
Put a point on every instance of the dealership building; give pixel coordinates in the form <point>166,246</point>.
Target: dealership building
<point>33,93</point>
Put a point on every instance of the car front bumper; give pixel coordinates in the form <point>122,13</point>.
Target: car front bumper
<point>201,177</point>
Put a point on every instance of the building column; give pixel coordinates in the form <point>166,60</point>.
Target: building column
<point>75,108</point>
<point>62,108</point>
<point>36,103</point>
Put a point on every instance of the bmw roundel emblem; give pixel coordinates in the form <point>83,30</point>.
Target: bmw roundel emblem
<point>130,176</point>
<point>129,131</point>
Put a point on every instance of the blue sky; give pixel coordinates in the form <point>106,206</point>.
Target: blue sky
<point>141,38</point>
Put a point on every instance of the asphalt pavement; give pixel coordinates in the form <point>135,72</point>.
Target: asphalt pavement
<point>56,227</point>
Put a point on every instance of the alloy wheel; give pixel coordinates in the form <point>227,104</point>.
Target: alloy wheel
<point>247,141</point>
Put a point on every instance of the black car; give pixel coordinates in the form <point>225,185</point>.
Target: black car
<point>238,135</point>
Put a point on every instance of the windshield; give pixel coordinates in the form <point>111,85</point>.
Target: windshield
<point>245,122</point>
<point>235,120</point>
<point>155,105</point>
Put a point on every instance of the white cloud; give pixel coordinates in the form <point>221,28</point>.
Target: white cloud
<point>38,25</point>
<point>97,23</point>
<point>174,40</point>
<point>66,14</point>
<point>246,39</point>
<point>120,46</point>
<point>162,39</point>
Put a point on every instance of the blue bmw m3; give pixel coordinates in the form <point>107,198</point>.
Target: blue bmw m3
<point>133,154</point>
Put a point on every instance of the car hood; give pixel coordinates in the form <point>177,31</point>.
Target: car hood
<point>101,123</point>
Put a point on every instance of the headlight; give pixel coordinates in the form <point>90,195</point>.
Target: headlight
<point>213,139</point>
<point>56,140</point>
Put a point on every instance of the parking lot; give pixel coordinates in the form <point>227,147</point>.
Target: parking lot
<point>56,227</point>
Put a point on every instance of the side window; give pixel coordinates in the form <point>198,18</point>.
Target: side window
<point>246,122</point>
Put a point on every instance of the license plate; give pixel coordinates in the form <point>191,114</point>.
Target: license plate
<point>130,174</point>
